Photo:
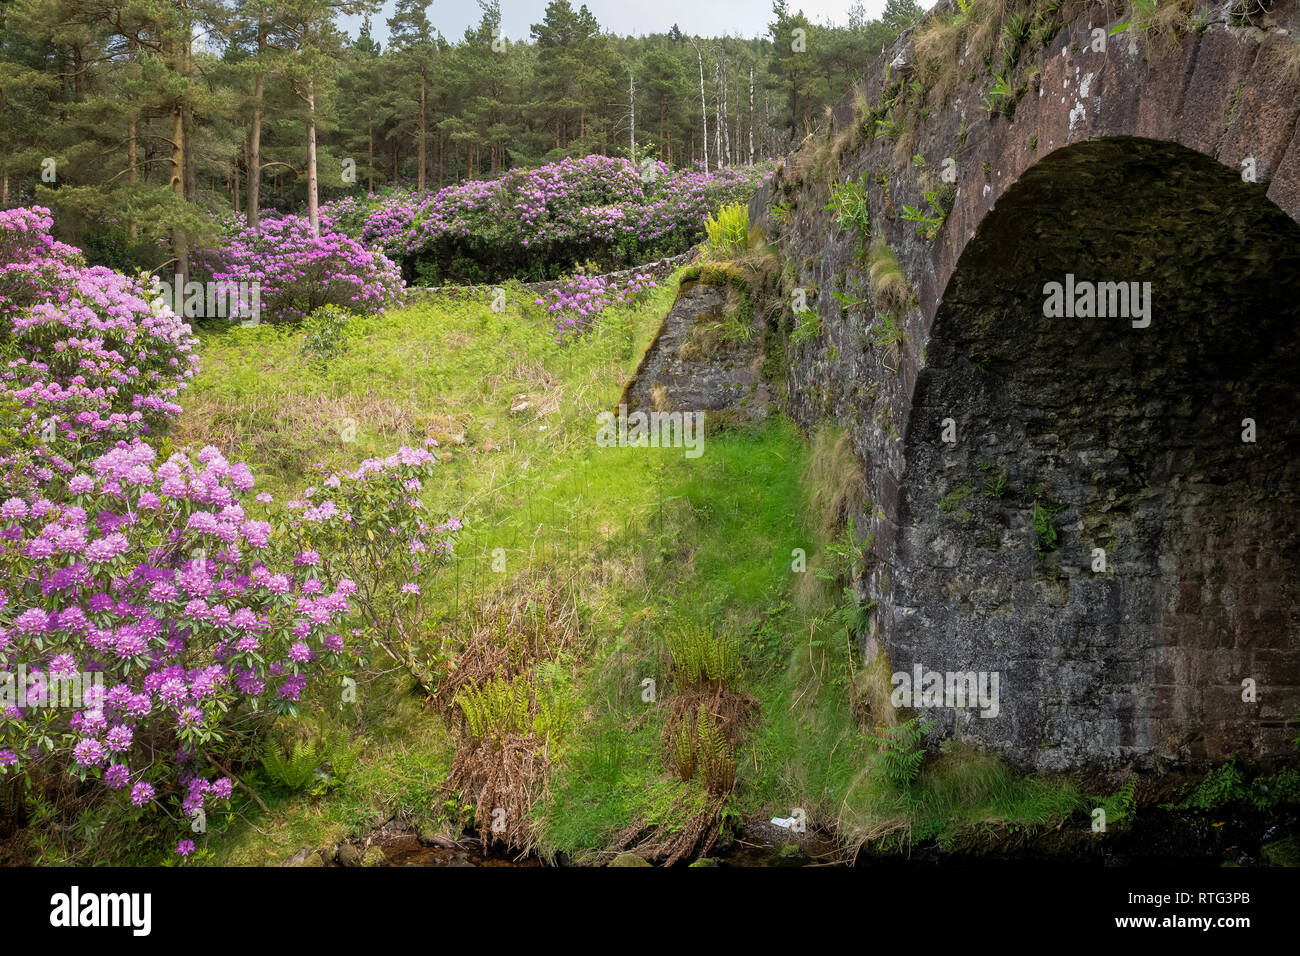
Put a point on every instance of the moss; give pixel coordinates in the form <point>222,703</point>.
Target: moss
<point>1281,852</point>
<point>956,496</point>
<point>629,859</point>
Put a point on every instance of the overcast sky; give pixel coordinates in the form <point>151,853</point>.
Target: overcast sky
<point>745,18</point>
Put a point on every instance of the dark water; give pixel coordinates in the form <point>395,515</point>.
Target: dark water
<point>1157,837</point>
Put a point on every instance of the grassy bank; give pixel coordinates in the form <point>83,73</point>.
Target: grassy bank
<point>600,558</point>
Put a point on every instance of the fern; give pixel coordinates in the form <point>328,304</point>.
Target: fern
<point>1044,530</point>
<point>341,754</point>
<point>729,232</point>
<point>700,655</point>
<point>294,767</point>
<point>714,754</point>
<point>681,748</point>
<point>902,751</point>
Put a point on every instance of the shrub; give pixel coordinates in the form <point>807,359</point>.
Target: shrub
<point>297,272</point>
<point>186,616</point>
<point>539,223</point>
<point>574,305</point>
<point>90,360</point>
<point>325,333</point>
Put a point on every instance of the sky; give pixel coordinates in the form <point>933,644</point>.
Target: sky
<point>745,18</point>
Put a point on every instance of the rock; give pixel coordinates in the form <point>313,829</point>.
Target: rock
<point>330,854</point>
<point>314,860</point>
<point>460,861</point>
<point>705,861</point>
<point>1281,852</point>
<point>298,858</point>
<point>629,859</point>
<point>374,857</point>
<point>903,62</point>
<point>520,404</point>
<point>350,854</point>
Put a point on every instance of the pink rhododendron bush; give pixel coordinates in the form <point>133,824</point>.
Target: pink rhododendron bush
<point>297,272</point>
<point>157,616</point>
<point>88,359</point>
<point>534,224</point>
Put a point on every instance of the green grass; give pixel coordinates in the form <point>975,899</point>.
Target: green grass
<point>645,537</point>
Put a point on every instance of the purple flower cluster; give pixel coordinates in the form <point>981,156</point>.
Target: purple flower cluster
<point>592,199</point>
<point>93,357</point>
<point>574,304</point>
<point>203,612</point>
<point>297,272</point>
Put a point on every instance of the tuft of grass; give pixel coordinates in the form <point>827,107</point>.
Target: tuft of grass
<point>834,480</point>
<point>889,283</point>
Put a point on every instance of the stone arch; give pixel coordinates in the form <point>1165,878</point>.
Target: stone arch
<point>1131,439</point>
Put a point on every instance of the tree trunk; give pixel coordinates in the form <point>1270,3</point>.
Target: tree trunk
<point>422,146</point>
<point>751,114</point>
<point>726,120</point>
<point>180,248</point>
<point>132,229</point>
<point>704,109</point>
<point>255,138</point>
<point>313,199</point>
<point>717,115</point>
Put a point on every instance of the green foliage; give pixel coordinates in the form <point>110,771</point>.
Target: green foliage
<point>1142,12</point>
<point>852,210</point>
<point>715,754</point>
<point>1044,529</point>
<point>939,202</point>
<point>809,327</point>
<point>839,629</point>
<point>889,282</point>
<point>294,766</point>
<point>995,483</point>
<point>902,750</point>
<point>497,709</point>
<point>956,496</point>
<point>728,233</point>
<point>539,705</point>
<point>697,744</point>
<point>325,333</point>
<point>888,336</point>
<point>702,655</point>
<point>1122,804</point>
<point>293,763</point>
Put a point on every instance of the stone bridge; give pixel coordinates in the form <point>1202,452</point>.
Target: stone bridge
<point>1099,502</point>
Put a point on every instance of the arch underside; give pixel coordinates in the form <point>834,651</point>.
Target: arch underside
<point>1133,438</point>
